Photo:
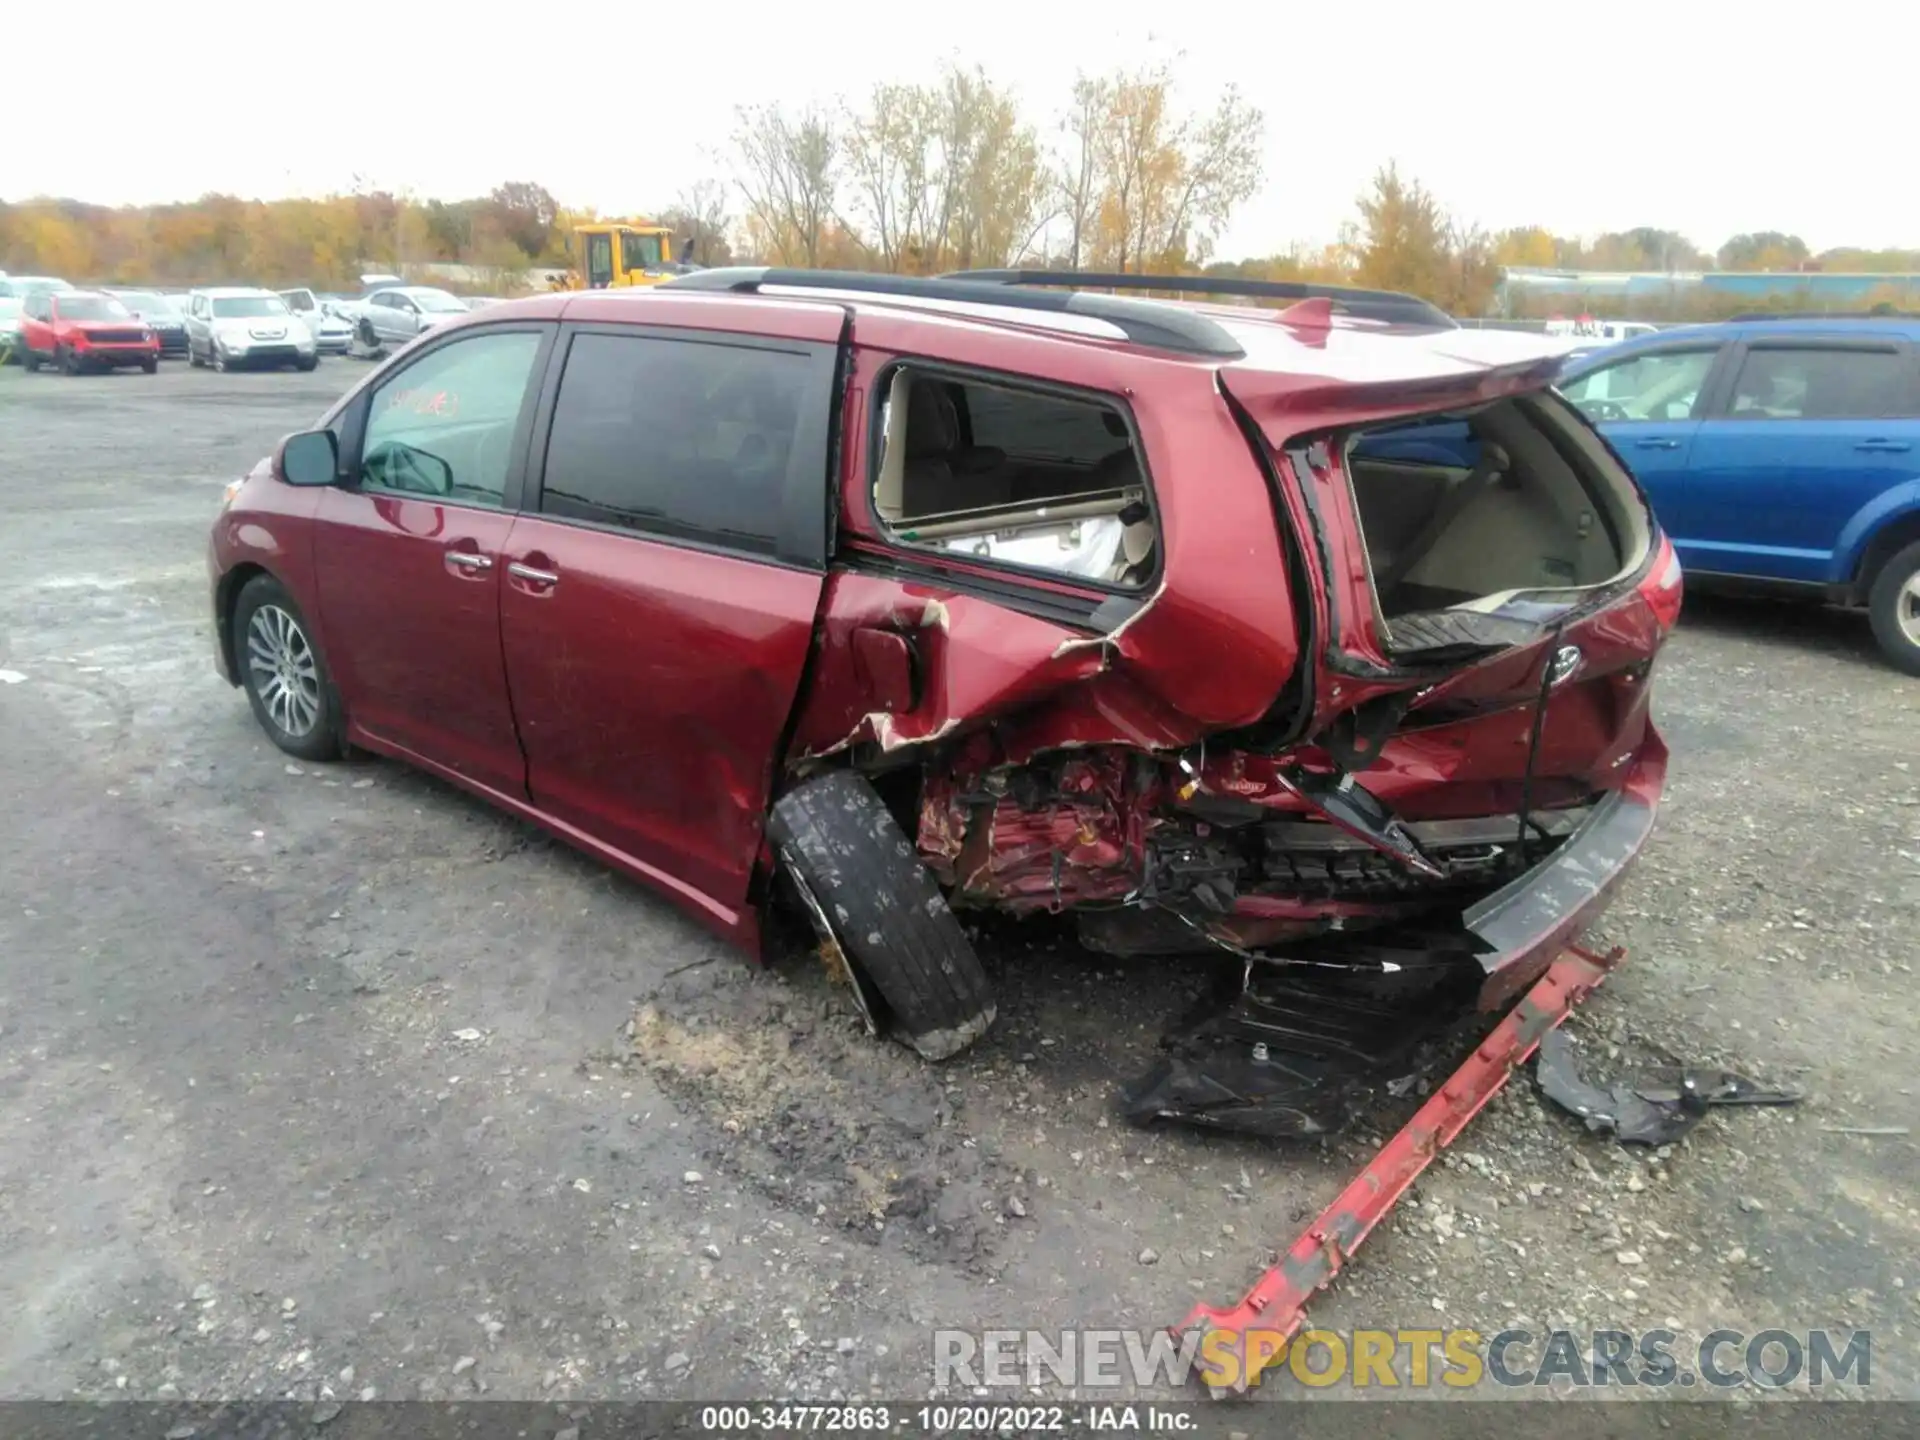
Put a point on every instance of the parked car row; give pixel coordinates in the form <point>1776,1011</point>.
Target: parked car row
<point>224,327</point>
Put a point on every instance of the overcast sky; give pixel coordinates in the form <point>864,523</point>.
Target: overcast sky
<point>1706,118</point>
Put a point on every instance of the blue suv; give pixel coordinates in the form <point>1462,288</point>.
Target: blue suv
<point>1783,452</point>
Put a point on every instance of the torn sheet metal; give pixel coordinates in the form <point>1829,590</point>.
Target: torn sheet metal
<point>1272,1312</point>
<point>1644,1114</point>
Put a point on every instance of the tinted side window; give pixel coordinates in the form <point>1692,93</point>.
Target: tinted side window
<point>698,439</point>
<point>1813,384</point>
<point>443,427</point>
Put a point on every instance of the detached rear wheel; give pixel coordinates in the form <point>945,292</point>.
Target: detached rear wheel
<point>885,911</point>
<point>285,679</point>
<point>1894,607</point>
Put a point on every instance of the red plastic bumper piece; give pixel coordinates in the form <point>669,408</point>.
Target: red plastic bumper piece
<point>1272,1312</point>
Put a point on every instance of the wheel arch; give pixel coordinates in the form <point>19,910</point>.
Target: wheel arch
<point>226,597</point>
<point>1889,538</point>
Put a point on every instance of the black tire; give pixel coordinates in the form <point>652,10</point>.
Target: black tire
<point>194,362</point>
<point>266,599</point>
<point>150,367</point>
<point>216,359</point>
<point>1893,604</point>
<point>67,361</point>
<point>310,363</point>
<point>29,361</point>
<point>836,836</point>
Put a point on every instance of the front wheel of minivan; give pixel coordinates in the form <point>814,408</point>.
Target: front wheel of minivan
<point>286,681</point>
<point>1894,607</point>
<point>885,911</point>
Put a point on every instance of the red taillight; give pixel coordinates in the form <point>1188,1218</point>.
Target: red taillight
<point>1663,586</point>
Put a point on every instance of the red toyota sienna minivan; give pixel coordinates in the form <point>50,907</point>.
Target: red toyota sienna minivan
<point>1319,636</point>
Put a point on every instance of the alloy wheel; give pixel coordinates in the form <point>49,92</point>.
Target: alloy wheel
<point>1906,608</point>
<point>283,669</point>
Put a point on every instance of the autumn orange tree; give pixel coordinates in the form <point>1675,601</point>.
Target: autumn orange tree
<point>323,241</point>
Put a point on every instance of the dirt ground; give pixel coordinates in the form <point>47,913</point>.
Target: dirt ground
<point>328,1081</point>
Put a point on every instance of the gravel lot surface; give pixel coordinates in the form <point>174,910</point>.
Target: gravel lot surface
<point>327,1081</point>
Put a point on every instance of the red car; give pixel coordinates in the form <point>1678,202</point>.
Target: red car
<point>81,330</point>
<point>1320,635</point>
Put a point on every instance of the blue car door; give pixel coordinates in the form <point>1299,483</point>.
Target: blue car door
<point>1647,402</point>
<point>1814,427</point>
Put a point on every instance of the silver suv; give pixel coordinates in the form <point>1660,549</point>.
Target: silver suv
<point>235,327</point>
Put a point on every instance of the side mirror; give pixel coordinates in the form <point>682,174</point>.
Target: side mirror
<point>309,458</point>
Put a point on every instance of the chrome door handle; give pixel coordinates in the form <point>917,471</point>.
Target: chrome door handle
<point>527,572</point>
<point>467,560</point>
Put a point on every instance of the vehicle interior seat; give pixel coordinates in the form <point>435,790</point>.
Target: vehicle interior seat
<point>940,474</point>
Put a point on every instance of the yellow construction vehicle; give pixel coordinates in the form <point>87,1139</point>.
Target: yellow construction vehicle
<point>613,254</point>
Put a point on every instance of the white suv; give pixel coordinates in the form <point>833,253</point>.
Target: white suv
<point>237,326</point>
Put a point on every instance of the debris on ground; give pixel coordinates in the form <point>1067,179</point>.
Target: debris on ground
<point>1273,1311</point>
<point>1285,1057</point>
<point>1644,1112</point>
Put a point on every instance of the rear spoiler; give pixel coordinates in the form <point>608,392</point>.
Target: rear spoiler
<point>1314,401</point>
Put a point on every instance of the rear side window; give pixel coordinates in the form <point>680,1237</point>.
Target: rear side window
<point>1016,476</point>
<point>706,440</point>
<point>1832,384</point>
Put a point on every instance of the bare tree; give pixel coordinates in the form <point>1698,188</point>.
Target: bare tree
<point>1078,176</point>
<point>890,161</point>
<point>1168,181</point>
<point>791,171</point>
<point>1220,166</point>
<point>699,220</point>
<point>945,174</point>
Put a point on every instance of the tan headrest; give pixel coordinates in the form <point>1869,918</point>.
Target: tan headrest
<point>888,490</point>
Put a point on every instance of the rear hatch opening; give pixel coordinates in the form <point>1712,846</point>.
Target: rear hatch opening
<point>1479,526</point>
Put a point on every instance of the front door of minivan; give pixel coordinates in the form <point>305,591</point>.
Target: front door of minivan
<point>407,552</point>
<point>658,608</point>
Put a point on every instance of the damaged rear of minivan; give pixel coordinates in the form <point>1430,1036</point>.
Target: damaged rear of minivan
<point>1440,790</point>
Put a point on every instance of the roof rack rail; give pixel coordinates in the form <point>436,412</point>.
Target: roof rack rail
<point>1875,314</point>
<point>1164,327</point>
<point>1388,305</point>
